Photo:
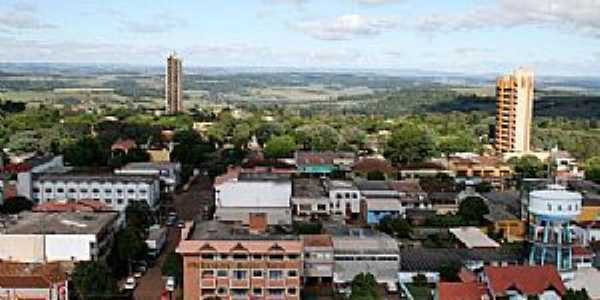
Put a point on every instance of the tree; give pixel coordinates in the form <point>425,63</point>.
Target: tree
<point>93,280</point>
<point>528,166</point>
<point>375,175</point>
<point>472,210</point>
<point>173,266</point>
<point>138,216</point>
<point>395,226</point>
<point>410,144</point>
<point>280,146</point>
<point>364,287</point>
<point>572,294</point>
<point>459,142</point>
<point>592,169</point>
<point>87,152</point>
<point>241,136</point>
<point>355,138</point>
<point>16,205</point>
<point>130,245</point>
<point>449,271</point>
<point>266,131</point>
<point>319,137</point>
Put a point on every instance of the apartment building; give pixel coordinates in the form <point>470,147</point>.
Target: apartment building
<point>514,111</point>
<point>224,261</point>
<point>174,85</point>
<point>168,172</point>
<point>39,237</point>
<point>318,258</point>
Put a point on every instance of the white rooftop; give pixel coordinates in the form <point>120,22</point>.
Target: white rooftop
<point>250,193</point>
<point>588,279</point>
<point>473,237</point>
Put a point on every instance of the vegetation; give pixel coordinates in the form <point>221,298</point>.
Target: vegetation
<point>576,295</point>
<point>308,227</point>
<point>528,166</point>
<point>15,205</point>
<point>395,226</point>
<point>364,287</point>
<point>472,210</point>
<point>93,280</point>
<point>280,146</point>
<point>592,169</point>
<point>449,271</point>
<point>173,266</point>
<point>410,144</point>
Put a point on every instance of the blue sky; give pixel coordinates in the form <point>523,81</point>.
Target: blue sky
<point>555,37</point>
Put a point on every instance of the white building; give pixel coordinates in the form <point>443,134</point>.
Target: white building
<point>37,237</point>
<point>237,198</point>
<point>317,196</point>
<point>168,172</point>
<point>344,197</point>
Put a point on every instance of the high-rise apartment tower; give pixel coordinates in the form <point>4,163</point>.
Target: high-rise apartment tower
<point>514,111</point>
<point>173,85</point>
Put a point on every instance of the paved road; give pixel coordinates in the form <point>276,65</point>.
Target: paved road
<point>188,206</point>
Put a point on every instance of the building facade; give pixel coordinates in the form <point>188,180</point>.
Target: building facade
<point>228,263</point>
<point>174,85</point>
<point>514,111</point>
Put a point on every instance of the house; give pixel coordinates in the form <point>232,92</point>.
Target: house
<point>473,238</point>
<point>502,222</point>
<point>411,194</point>
<point>34,281</point>
<point>36,237</point>
<point>124,145</point>
<point>443,202</point>
<point>345,197</point>
<point>168,172</point>
<point>421,170</point>
<point>461,291</point>
<point>310,197</point>
<point>523,281</point>
<point>318,258</point>
<point>237,197</point>
<point>358,250</point>
<point>486,168</point>
<point>378,200</point>
<point>222,260</point>
<point>323,163</point>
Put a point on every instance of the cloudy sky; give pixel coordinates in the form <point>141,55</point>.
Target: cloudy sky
<point>473,36</point>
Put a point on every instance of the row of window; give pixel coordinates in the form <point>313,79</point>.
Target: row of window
<point>222,291</point>
<point>365,258</point>
<point>560,207</point>
<point>243,256</point>
<point>256,273</point>
<point>346,195</point>
<point>84,190</point>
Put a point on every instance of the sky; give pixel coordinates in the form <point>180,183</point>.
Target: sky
<point>554,37</point>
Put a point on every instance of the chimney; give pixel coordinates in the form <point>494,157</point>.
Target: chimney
<point>258,223</point>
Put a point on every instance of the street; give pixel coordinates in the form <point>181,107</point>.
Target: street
<point>188,206</point>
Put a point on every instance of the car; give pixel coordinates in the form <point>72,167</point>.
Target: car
<point>181,224</point>
<point>170,284</point>
<point>139,271</point>
<point>129,283</point>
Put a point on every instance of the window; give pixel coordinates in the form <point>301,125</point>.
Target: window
<point>276,274</point>
<point>549,207</point>
<point>238,293</point>
<point>83,190</point>
<point>95,191</point>
<point>221,290</point>
<point>257,273</point>
<point>108,201</point>
<point>347,196</point>
<point>36,190</point>
<point>570,208</point>
<point>240,274</point>
<point>292,291</point>
<point>224,256</point>
<point>276,292</point>
<point>207,273</point>
<point>108,191</point>
<point>240,257</point>
<point>130,191</point>
<point>560,208</point>
<point>292,273</point>
<point>321,207</point>
<point>257,257</point>
<point>292,256</point>
<point>60,190</point>
<point>119,201</point>
<point>119,191</point>
<point>222,273</point>
<point>338,195</point>
<point>208,256</point>
<point>354,195</point>
<point>48,190</point>
<point>143,192</point>
<point>257,292</point>
<point>276,257</point>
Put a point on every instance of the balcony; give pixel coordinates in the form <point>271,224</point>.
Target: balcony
<point>258,282</point>
<point>276,283</point>
<point>208,282</point>
<point>239,283</point>
<point>293,281</point>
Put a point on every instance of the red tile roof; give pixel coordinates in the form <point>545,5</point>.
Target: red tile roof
<point>461,290</point>
<point>317,240</point>
<point>23,282</point>
<point>24,275</point>
<point>371,164</point>
<point>528,280</point>
<point>317,158</point>
<point>81,205</point>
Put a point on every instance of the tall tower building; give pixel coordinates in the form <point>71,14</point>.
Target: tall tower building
<point>514,111</point>
<point>173,85</point>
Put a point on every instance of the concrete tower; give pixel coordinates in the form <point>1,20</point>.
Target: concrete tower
<point>173,85</point>
<point>514,111</point>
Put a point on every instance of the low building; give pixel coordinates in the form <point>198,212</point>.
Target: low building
<point>34,281</point>
<point>521,282</point>
<point>237,197</point>
<point>323,163</point>
<point>344,197</point>
<point>487,168</point>
<point>168,172</point>
<point>358,251</point>
<point>420,170</point>
<point>318,258</point>
<point>443,202</point>
<point>36,237</point>
<point>379,199</point>
<point>510,227</point>
<point>473,238</point>
<point>310,197</point>
<point>220,260</point>
<point>411,194</point>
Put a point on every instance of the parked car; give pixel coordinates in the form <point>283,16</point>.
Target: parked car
<point>181,224</point>
<point>170,285</point>
<point>129,283</point>
<point>139,271</point>
<point>171,220</point>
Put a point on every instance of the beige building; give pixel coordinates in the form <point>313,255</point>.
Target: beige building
<point>174,85</point>
<point>514,111</point>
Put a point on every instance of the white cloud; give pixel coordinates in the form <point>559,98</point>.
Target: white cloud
<point>22,16</point>
<point>377,2</point>
<point>345,27</point>
<point>582,16</point>
<point>157,23</point>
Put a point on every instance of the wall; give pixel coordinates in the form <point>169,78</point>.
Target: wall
<point>274,215</point>
<point>64,247</point>
<point>22,248</point>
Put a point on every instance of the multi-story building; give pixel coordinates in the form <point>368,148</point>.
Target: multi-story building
<point>116,191</point>
<point>38,237</point>
<point>225,262</point>
<point>174,85</point>
<point>168,172</point>
<point>318,258</point>
<point>514,111</point>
